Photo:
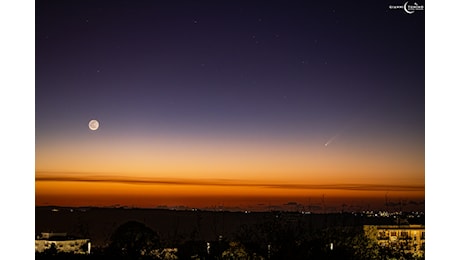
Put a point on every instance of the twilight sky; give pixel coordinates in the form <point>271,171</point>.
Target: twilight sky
<point>232,103</point>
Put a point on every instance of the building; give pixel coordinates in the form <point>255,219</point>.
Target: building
<point>406,238</point>
<point>62,243</point>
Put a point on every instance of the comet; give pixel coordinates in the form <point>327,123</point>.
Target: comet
<point>339,133</point>
<point>331,139</point>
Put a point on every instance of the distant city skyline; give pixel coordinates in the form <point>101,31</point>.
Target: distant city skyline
<point>236,103</point>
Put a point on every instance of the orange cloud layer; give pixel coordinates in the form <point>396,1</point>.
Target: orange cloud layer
<point>92,190</point>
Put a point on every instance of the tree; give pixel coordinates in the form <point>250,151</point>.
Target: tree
<point>52,250</point>
<point>192,248</point>
<point>235,251</point>
<point>133,240</point>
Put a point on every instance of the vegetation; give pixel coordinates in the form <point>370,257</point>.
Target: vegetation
<point>279,238</point>
<point>133,240</point>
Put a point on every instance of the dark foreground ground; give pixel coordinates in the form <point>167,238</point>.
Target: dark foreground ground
<point>231,235</point>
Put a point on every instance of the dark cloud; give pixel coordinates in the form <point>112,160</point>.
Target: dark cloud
<point>224,182</point>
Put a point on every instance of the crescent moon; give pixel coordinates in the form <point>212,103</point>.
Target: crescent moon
<point>93,125</point>
<point>405,9</point>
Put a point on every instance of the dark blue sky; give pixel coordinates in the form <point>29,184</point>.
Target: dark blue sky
<point>230,64</point>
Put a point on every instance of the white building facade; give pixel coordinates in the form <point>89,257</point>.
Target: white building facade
<point>407,238</point>
<point>62,244</point>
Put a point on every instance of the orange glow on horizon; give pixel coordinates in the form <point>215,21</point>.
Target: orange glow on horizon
<point>205,171</point>
<point>140,192</point>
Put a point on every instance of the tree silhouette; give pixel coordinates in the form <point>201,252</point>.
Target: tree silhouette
<point>133,240</point>
<point>52,250</point>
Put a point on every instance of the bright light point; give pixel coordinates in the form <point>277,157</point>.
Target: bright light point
<point>93,125</point>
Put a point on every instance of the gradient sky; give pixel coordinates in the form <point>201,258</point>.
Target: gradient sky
<point>232,103</point>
